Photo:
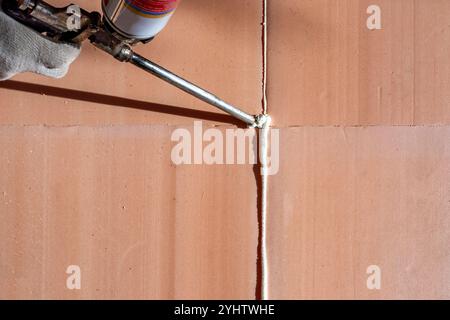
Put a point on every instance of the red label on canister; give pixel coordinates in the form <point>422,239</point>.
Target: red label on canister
<point>153,7</point>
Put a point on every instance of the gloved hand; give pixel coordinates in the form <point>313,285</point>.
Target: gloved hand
<point>24,50</point>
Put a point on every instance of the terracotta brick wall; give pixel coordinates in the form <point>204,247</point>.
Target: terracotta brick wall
<point>86,176</point>
<point>365,149</point>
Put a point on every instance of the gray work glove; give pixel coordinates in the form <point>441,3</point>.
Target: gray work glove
<point>24,50</point>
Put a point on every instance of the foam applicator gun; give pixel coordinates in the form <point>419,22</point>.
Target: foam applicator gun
<point>124,24</point>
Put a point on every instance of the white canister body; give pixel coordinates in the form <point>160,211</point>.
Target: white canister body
<point>138,19</point>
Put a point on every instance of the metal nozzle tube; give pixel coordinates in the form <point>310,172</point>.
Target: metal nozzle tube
<point>189,87</point>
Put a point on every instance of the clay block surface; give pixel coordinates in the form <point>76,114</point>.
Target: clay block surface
<point>86,177</point>
<point>325,67</point>
<point>109,200</point>
<point>201,44</point>
<point>349,198</point>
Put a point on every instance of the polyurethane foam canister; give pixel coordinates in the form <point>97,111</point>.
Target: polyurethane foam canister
<point>138,19</point>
